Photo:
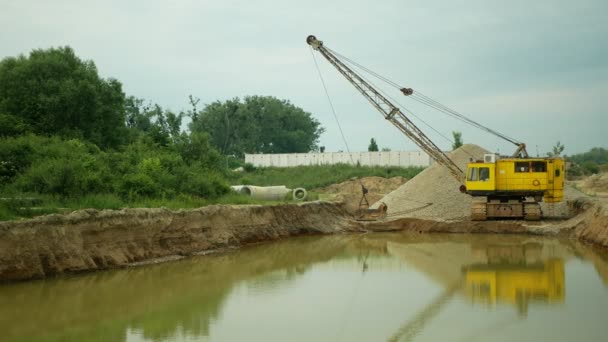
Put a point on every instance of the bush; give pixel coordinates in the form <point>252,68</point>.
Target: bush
<point>206,185</point>
<point>53,176</point>
<point>15,156</point>
<point>590,166</point>
<point>138,185</point>
<point>248,167</point>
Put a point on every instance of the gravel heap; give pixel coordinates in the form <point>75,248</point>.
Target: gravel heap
<point>437,186</point>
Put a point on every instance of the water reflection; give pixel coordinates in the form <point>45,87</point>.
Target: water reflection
<point>511,270</point>
<point>516,275</point>
<point>210,296</point>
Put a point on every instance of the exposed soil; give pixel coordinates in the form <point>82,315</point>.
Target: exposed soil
<point>594,185</point>
<point>90,240</point>
<point>349,192</point>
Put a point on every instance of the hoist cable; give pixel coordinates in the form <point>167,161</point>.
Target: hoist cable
<point>338,122</point>
<point>381,91</point>
<point>436,104</point>
<point>333,110</point>
<point>331,105</point>
<point>423,99</point>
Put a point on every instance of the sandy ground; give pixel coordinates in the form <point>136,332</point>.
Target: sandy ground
<point>349,191</point>
<point>595,185</point>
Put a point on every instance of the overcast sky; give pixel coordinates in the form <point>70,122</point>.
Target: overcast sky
<point>534,70</point>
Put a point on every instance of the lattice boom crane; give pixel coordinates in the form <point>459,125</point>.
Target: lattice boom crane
<point>390,112</point>
<point>506,186</point>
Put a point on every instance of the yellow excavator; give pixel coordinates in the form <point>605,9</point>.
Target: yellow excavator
<point>503,186</point>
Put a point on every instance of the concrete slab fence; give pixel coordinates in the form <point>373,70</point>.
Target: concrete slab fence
<point>391,158</point>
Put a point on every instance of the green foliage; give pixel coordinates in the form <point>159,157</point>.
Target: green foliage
<point>457,140</point>
<point>590,167</point>
<point>373,146</point>
<point>598,155</point>
<point>258,124</point>
<point>593,161</point>
<point>316,176</point>
<point>196,149</point>
<point>73,168</point>
<point>72,140</point>
<point>11,125</point>
<point>161,127</point>
<point>54,92</point>
<point>557,150</point>
<point>249,167</point>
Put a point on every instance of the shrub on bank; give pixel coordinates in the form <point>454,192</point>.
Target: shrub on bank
<point>73,169</point>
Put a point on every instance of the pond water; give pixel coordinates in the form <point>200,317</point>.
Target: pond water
<point>369,287</point>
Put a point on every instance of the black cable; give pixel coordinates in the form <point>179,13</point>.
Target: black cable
<point>382,92</point>
<point>421,98</point>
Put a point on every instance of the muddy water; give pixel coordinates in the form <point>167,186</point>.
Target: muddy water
<point>369,287</point>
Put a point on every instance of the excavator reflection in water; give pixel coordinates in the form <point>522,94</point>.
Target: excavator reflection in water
<point>516,275</point>
<point>517,284</point>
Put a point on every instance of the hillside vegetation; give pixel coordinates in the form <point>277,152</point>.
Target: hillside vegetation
<point>591,162</point>
<point>70,139</point>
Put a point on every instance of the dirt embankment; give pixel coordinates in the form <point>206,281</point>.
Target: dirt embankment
<point>90,240</point>
<point>349,192</point>
<point>594,223</point>
<point>595,185</point>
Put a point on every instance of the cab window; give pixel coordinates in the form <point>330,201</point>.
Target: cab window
<point>539,166</point>
<point>522,167</point>
<point>473,174</point>
<point>484,174</point>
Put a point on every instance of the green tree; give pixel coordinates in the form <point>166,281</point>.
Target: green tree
<point>457,140</point>
<point>557,150</point>
<point>373,146</point>
<point>257,124</point>
<point>163,127</point>
<point>598,155</point>
<point>54,92</point>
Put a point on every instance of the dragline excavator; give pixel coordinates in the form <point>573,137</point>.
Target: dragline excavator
<point>502,186</point>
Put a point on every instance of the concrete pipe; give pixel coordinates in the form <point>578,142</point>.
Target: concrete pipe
<point>299,194</point>
<point>267,193</point>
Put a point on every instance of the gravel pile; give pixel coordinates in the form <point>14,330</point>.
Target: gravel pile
<point>437,186</point>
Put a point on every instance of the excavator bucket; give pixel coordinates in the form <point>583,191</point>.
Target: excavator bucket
<point>369,214</point>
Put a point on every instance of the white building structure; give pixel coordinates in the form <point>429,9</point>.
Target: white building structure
<point>389,158</point>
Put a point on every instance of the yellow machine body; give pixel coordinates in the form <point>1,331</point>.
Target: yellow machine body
<point>518,177</point>
<point>516,284</point>
<point>508,182</point>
